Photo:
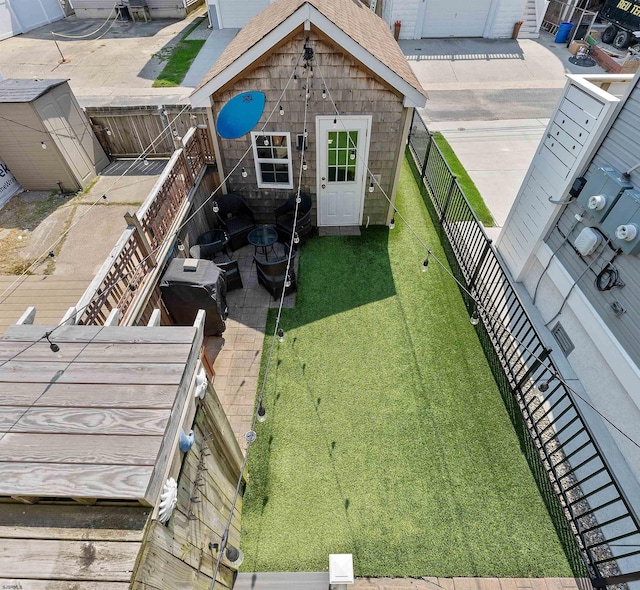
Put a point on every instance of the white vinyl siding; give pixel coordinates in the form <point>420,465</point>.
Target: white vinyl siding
<point>20,16</point>
<point>235,14</point>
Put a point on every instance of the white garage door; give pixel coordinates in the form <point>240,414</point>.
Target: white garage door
<point>20,16</point>
<point>458,18</point>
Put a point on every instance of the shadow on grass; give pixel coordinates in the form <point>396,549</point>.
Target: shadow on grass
<point>349,272</point>
<point>527,445</point>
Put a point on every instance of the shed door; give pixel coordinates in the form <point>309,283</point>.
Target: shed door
<point>462,18</point>
<point>342,154</point>
<point>19,16</point>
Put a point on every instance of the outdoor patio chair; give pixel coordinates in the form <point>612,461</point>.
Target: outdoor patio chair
<point>273,273</point>
<point>284,218</point>
<point>216,251</point>
<point>237,218</point>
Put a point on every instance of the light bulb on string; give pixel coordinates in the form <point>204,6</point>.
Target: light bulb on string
<point>475,318</point>
<point>296,238</point>
<point>425,264</point>
<point>108,131</point>
<point>324,93</point>
<point>280,335</point>
<point>244,172</point>
<point>352,155</point>
<point>304,164</point>
<point>371,186</point>
<point>545,386</point>
<point>180,245</point>
<point>266,140</point>
<point>392,223</point>
<point>287,282</point>
<point>215,207</point>
<point>281,110</point>
<point>262,413</point>
<point>335,122</point>
<point>305,134</point>
<point>145,162</point>
<point>43,145</point>
<point>298,199</point>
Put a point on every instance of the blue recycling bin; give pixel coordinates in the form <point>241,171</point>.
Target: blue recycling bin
<point>563,32</point>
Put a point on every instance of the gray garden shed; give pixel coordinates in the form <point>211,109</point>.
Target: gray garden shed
<point>46,139</point>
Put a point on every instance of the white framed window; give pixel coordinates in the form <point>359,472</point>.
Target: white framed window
<point>272,157</point>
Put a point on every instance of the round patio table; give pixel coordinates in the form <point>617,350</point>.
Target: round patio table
<point>263,237</point>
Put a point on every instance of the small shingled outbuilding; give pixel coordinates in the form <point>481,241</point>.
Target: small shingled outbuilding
<point>361,96</point>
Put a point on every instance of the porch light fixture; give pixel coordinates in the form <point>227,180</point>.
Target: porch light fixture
<point>545,386</point>
<point>262,413</point>
<point>280,335</point>
<point>475,318</point>
<point>392,223</point>
<point>244,172</point>
<point>281,110</point>
<point>304,164</point>
<point>43,145</point>
<point>296,238</point>
<point>52,345</point>
<point>215,207</point>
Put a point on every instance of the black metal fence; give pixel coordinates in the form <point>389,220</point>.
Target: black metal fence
<point>595,522</point>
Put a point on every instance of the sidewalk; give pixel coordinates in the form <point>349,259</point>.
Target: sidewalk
<point>497,155</point>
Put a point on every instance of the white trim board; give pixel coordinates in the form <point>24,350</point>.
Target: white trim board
<point>412,96</point>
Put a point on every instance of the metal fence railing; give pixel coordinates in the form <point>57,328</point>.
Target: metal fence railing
<point>598,527</point>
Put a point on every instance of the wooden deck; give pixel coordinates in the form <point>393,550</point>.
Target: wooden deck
<point>98,419</point>
<point>52,296</point>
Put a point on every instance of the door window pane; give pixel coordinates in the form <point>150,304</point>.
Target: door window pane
<point>341,146</point>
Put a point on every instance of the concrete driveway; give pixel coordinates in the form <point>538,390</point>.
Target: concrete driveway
<point>117,68</point>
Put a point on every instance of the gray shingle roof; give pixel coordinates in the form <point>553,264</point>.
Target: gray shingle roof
<point>14,90</point>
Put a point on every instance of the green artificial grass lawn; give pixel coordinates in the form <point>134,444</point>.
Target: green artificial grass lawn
<point>386,436</point>
<point>466,184</point>
<point>180,59</point>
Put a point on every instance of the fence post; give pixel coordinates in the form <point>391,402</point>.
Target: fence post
<point>483,256</point>
<point>448,199</point>
<point>140,238</point>
<point>426,154</point>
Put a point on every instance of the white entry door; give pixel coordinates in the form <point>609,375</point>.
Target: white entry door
<point>342,154</point>
<point>462,18</point>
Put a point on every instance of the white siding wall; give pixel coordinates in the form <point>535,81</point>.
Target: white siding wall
<point>235,14</point>
<point>406,11</point>
<point>507,13</point>
<point>20,16</point>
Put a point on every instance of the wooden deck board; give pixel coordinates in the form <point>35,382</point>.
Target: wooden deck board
<point>99,395</point>
<point>83,421</point>
<point>78,448</point>
<point>68,480</point>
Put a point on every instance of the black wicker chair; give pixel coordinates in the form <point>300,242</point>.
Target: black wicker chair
<point>272,274</point>
<point>237,218</point>
<point>284,218</point>
<point>212,245</point>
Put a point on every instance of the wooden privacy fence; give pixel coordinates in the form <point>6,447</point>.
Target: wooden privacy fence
<point>125,132</point>
<point>146,241</point>
<point>590,509</point>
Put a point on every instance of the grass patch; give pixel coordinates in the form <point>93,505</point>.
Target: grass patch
<point>178,58</point>
<point>386,435</point>
<point>464,180</point>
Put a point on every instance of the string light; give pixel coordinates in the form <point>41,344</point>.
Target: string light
<point>296,238</point>
<point>304,165</point>
<point>108,131</point>
<point>324,93</point>
<point>280,335</point>
<point>262,414</point>
<point>180,245</point>
<point>52,345</point>
<point>425,264</point>
<point>352,155</point>
<point>215,207</point>
<point>287,282</point>
<point>392,223</point>
<point>244,172</point>
<point>43,145</point>
<point>146,162</point>
<point>305,134</point>
<point>371,186</point>
<point>545,386</point>
<point>281,110</point>
<point>266,140</point>
<point>475,317</point>
<point>335,122</point>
